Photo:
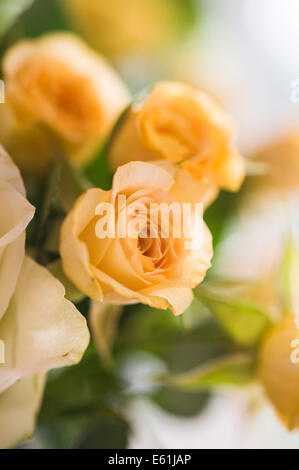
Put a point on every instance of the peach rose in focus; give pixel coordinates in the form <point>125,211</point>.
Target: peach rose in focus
<point>159,271</point>
<point>59,81</point>
<point>185,126</point>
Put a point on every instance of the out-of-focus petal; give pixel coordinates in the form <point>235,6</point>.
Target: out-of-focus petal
<point>41,330</point>
<point>16,213</point>
<point>19,405</point>
<point>279,373</point>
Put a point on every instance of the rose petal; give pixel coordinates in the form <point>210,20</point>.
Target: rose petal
<point>278,373</point>
<point>178,299</point>
<point>16,213</point>
<point>19,405</point>
<point>41,329</point>
<point>10,173</point>
<point>198,261</point>
<point>74,253</point>
<point>231,172</point>
<point>136,175</point>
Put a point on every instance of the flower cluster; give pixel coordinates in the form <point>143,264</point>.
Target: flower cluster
<point>82,145</point>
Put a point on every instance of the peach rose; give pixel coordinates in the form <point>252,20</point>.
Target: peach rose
<point>183,125</point>
<point>59,81</point>
<point>160,270</point>
<point>128,25</point>
<point>281,162</point>
<point>279,370</point>
<point>39,328</point>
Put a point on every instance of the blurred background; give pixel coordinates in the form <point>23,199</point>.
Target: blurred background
<point>246,54</point>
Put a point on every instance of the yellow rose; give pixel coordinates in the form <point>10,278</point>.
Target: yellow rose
<point>39,328</point>
<point>279,370</point>
<point>159,271</point>
<point>183,125</point>
<point>59,81</point>
<point>27,143</point>
<point>128,25</point>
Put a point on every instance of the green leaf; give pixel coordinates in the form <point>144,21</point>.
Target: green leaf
<point>288,278</point>
<point>52,240</point>
<point>244,321</point>
<point>98,171</point>
<point>72,182</point>
<point>179,402</point>
<point>10,10</point>
<point>162,334</point>
<point>81,390</point>
<point>44,16</point>
<point>41,223</point>
<point>49,195</point>
<point>82,407</point>
<point>104,432</point>
<point>188,12</point>
<point>235,370</point>
<point>61,434</point>
<point>221,213</point>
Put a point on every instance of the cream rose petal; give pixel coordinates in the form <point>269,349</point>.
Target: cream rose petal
<point>10,173</point>
<point>19,405</point>
<point>11,258</point>
<point>41,329</point>
<point>16,212</point>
